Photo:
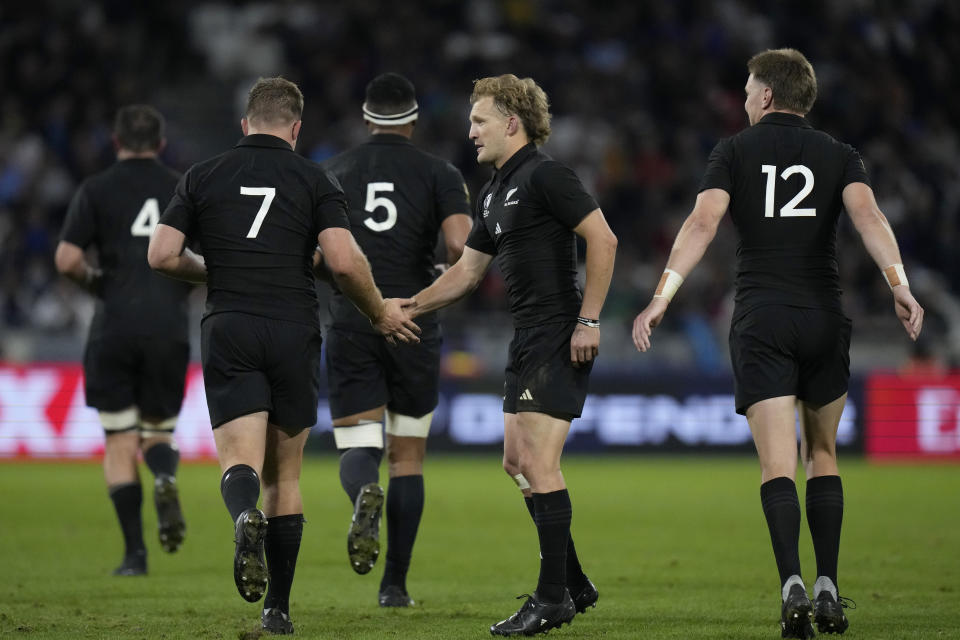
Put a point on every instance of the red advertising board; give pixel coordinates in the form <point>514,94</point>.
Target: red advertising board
<point>912,416</point>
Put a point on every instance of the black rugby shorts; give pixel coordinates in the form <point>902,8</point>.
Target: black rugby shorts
<point>148,372</point>
<point>252,363</point>
<point>540,376</point>
<point>365,372</point>
<point>778,350</point>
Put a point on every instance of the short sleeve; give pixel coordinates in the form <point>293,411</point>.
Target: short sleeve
<point>562,193</point>
<point>451,192</point>
<point>331,208</point>
<point>80,225</point>
<point>479,238</point>
<point>718,174</point>
<point>853,170</point>
<point>181,212</point>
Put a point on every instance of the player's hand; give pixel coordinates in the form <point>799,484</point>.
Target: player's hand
<point>395,323</point>
<point>908,310</point>
<point>645,322</point>
<point>584,344</point>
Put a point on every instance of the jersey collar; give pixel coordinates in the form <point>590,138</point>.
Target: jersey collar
<point>264,140</point>
<point>516,160</point>
<point>785,119</point>
<point>389,138</point>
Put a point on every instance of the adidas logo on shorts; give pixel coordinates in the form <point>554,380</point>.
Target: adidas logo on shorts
<point>526,395</point>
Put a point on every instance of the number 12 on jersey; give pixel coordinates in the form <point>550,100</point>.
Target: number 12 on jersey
<point>788,210</point>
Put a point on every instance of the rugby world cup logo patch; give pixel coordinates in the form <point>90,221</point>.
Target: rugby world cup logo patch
<point>486,204</point>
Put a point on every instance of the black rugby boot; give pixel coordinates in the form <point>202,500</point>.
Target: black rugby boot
<point>276,622</point>
<point>249,564</point>
<point>796,614</point>
<point>170,524</point>
<point>363,538</point>
<point>536,617</point>
<point>828,613</point>
<point>584,596</point>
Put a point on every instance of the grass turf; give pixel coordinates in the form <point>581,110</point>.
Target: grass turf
<point>677,547</point>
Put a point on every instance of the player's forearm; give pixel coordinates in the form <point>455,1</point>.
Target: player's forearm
<point>600,258</point>
<point>187,266</point>
<point>879,241</point>
<point>454,284</point>
<point>357,284</point>
<point>690,245</point>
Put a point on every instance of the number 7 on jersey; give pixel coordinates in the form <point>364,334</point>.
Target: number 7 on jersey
<point>268,194</point>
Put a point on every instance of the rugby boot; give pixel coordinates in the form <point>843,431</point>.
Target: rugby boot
<point>249,565</point>
<point>363,538</point>
<point>584,596</point>
<point>536,617</point>
<point>394,596</point>
<point>796,614</point>
<point>276,622</point>
<point>828,613</point>
<point>134,564</point>
<point>170,522</point>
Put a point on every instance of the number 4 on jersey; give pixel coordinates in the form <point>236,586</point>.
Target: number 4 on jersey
<point>788,210</point>
<point>146,221</point>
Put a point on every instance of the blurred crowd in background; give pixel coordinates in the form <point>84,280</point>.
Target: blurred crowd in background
<point>640,93</point>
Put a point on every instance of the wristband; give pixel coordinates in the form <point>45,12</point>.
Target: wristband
<point>895,275</point>
<point>670,281</point>
<point>588,322</point>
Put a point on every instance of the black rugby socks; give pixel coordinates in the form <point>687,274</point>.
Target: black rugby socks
<point>162,459</point>
<point>576,578</point>
<point>240,488</point>
<point>359,466</point>
<point>782,510</point>
<point>825,517</point>
<point>127,500</point>
<point>404,509</point>
<point>552,514</point>
<point>282,545</point>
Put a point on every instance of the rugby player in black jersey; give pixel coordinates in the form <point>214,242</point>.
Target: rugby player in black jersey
<point>529,215</point>
<point>259,211</point>
<point>137,351</point>
<point>399,198</point>
<point>785,184</point>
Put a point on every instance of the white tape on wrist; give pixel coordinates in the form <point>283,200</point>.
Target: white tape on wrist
<point>895,276</point>
<point>670,281</point>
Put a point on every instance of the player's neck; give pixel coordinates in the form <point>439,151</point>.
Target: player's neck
<point>405,130</point>
<point>514,144</point>
<point>127,154</point>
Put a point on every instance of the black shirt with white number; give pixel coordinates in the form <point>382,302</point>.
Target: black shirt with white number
<point>525,215</point>
<point>785,181</point>
<point>115,212</point>
<point>398,197</point>
<point>256,211</point>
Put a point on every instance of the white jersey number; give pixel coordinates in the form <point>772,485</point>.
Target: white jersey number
<point>268,193</point>
<point>374,202</point>
<point>788,210</point>
<point>146,221</point>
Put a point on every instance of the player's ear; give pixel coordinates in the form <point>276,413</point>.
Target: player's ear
<point>767,100</point>
<point>512,125</point>
<point>116,143</point>
<point>244,126</point>
<point>161,146</point>
<point>295,131</point>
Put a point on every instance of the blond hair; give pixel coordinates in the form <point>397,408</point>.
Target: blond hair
<point>521,97</point>
<point>789,75</point>
<point>274,101</point>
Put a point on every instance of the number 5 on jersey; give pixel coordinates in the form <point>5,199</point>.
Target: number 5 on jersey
<point>374,202</point>
<point>268,193</point>
<point>788,210</point>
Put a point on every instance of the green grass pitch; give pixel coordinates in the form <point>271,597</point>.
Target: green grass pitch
<point>676,545</point>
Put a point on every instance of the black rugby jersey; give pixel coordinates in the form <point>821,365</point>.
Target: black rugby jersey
<point>785,181</point>
<point>398,197</point>
<point>256,211</point>
<point>525,215</point>
<point>115,211</point>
